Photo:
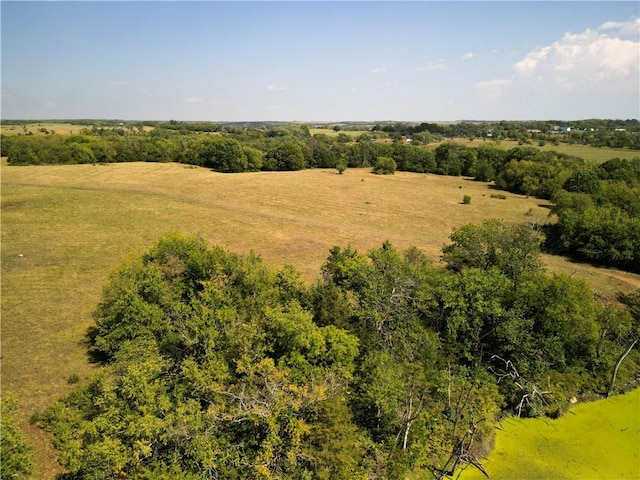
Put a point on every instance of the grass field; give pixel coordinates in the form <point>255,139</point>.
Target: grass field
<point>544,449</point>
<point>588,153</point>
<point>65,227</point>
<point>352,133</point>
<point>58,128</point>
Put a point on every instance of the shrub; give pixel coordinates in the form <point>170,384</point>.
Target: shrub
<point>466,199</point>
<point>15,453</point>
<point>385,166</point>
<point>498,196</point>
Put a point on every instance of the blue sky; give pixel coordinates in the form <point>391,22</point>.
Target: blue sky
<point>320,61</point>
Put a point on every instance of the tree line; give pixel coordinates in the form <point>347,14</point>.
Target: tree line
<point>594,132</point>
<point>216,366</point>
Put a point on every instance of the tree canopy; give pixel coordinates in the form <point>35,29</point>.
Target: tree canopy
<point>215,365</point>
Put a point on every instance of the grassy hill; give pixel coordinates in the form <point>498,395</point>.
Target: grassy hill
<point>64,227</point>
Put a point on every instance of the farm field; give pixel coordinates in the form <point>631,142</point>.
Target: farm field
<point>52,127</point>
<point>534,449</point>
<point>35,128</point>
<point>587,152</point>
<point>65,227</point>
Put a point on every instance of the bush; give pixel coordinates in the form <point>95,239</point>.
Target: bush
<point>466,199</point>
<point>498,196</point>
<point>385,166</point>
<point>15,454</point>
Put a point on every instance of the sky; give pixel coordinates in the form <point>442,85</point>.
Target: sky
<point>320,61</point>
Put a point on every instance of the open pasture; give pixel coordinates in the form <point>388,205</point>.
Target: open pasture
<point>37,128</point>
<point>64,227</point>
<point>587,152</point>
<point>352,133</point>
<point>46,128</point>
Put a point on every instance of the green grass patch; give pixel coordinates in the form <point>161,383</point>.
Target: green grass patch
<point>598,440</point>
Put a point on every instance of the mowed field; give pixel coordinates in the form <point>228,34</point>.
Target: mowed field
<point>65,227</point>
<point>35,128</point>
<point>56,128</point>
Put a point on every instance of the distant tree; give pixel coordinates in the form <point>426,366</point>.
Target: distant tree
<point>285,154</point>
<point>385,166</point>
<point>513,250</point>
<point>448,158</point>
<point>254,158</point>
<point>584,180</point>
<point>222,154</point>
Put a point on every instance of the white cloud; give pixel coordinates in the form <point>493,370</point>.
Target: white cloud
<point>468,56</point>
<point>586,63</point>
<point>276,88</point>
<point>587,60</point>
<point>378,70</point>
<point>623,29</point>
<point>194,99</point>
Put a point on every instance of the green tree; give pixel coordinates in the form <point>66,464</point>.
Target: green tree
<point>629,334</point>
<point>285,154</point>
<point>222,154</point>
<point>213,365</point>
<point>385,166</point>
<point>513,250</point>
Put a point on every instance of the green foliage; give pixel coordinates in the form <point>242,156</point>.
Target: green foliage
<point>513,250</point>
<point>466,200</point>
<point>15,454</point>
<point>584,180</point>
<point>387,367</point>
<point>385,166</point>
<point>285,154</point>
<point>213,365</point>
<point>604,235</point>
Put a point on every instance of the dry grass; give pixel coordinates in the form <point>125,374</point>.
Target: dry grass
<point>64,227</point>
<point>57,128</point>
<point>352,133</point>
